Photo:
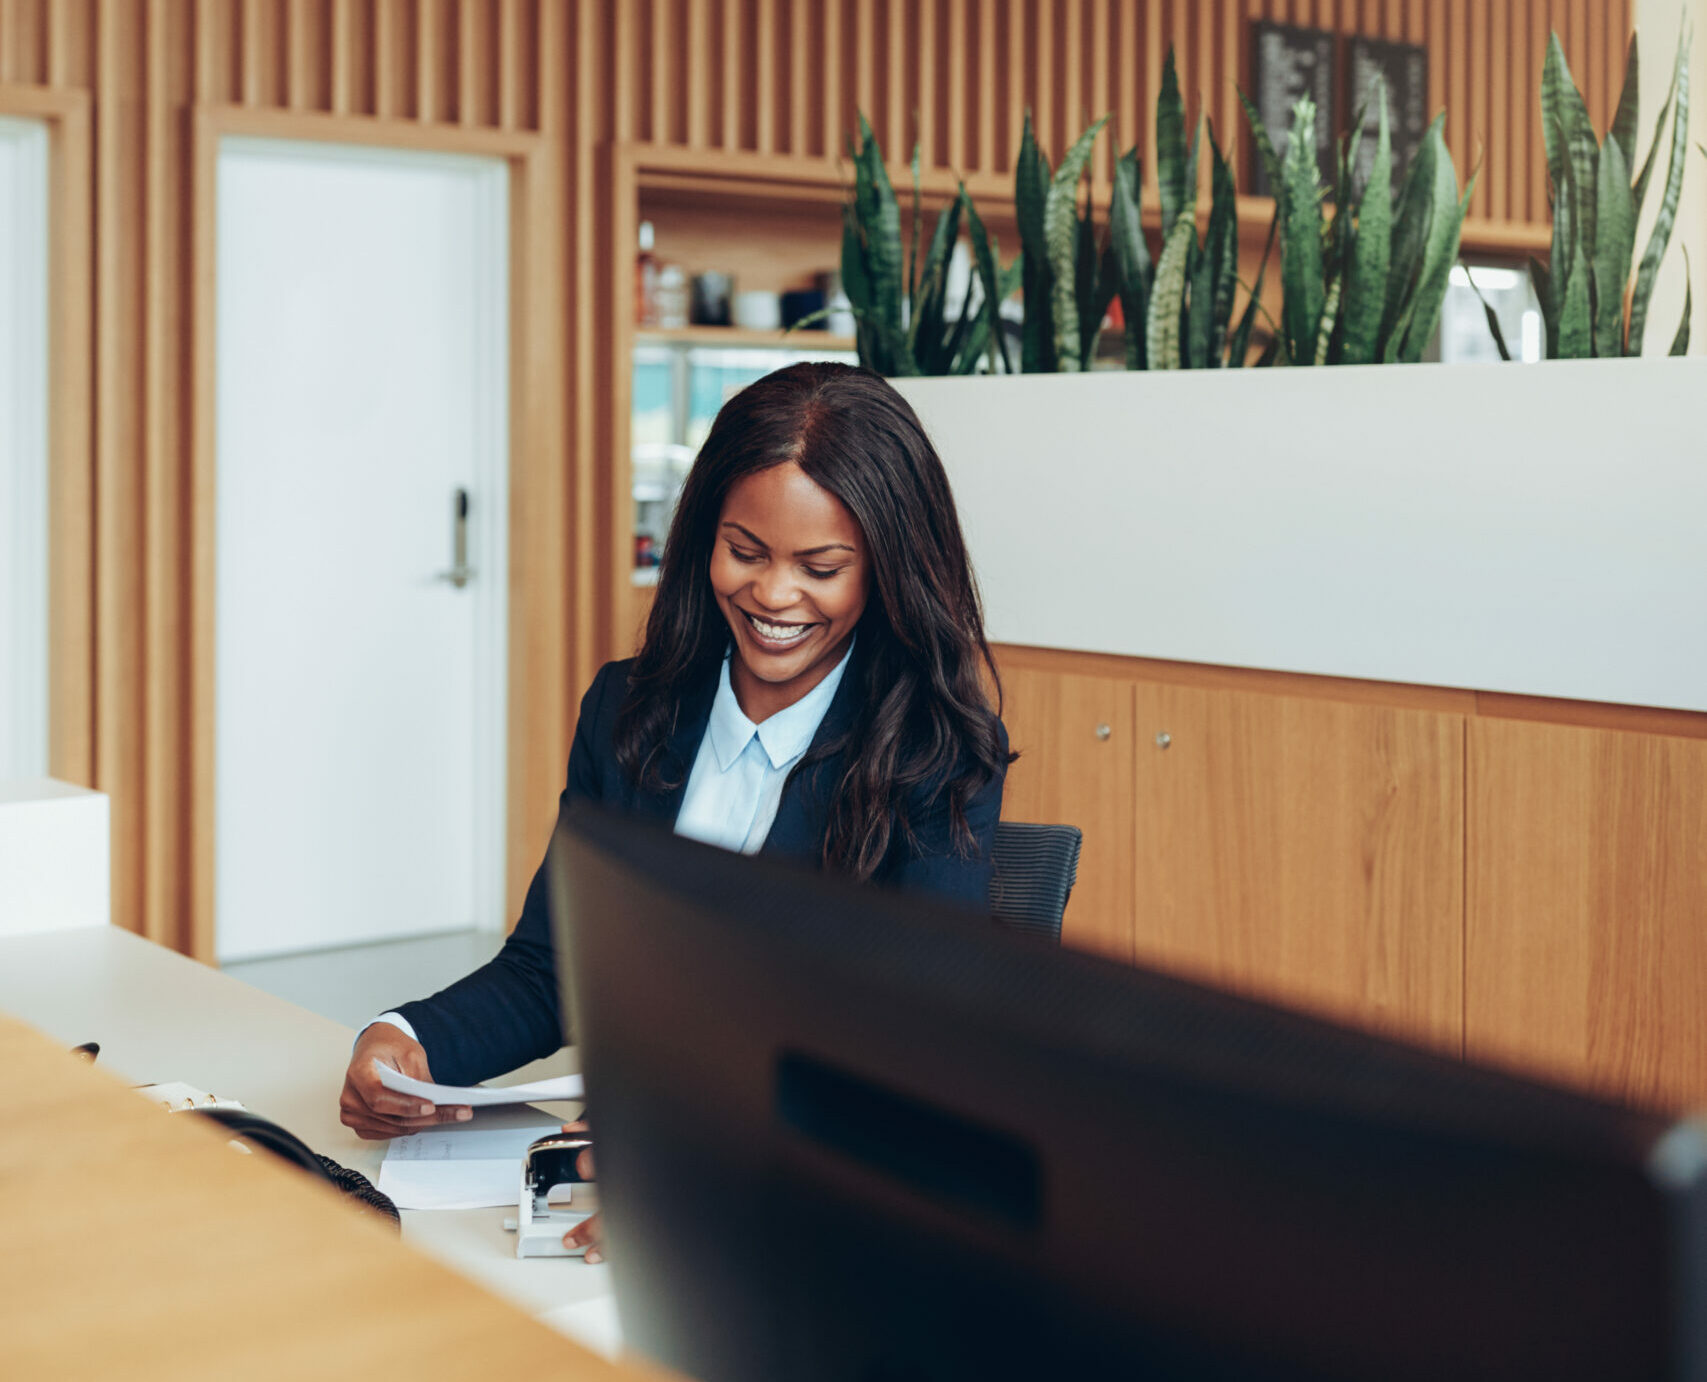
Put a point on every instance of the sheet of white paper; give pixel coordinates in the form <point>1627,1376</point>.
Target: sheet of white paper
<point>458,1168</point>
<point>480,1096</point>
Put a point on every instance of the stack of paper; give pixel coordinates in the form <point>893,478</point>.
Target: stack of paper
<point>464,1166</point>
<point>458,1168</point>
<point>479,1095</point>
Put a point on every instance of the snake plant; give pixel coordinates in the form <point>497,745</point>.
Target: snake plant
<point>901,311</point>
<point>1179,310</point>
<point>1068,275</point>
<point>1367,285</point>
<point>1596,206</point>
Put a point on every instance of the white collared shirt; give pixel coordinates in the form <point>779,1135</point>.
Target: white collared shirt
<point>735,788</point>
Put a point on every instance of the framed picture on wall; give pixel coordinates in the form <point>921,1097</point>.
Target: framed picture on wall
<point>1287,62</point>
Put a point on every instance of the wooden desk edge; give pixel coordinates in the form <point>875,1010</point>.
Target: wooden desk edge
<point>137,1237</point>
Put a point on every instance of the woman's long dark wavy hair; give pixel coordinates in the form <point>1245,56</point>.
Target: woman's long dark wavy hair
<point>925,714</point>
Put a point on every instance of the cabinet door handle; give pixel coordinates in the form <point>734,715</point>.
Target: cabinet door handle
<point>1103,731</point>
<point>1164,739</point>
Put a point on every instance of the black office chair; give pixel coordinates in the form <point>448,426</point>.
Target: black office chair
<point>1035,869</point>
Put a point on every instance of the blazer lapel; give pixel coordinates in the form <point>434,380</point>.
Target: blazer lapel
<point>680,752</point>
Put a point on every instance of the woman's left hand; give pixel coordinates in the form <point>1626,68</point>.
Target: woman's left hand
<point>589,1233</point>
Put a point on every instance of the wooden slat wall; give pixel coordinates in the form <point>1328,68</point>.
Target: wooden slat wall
<point>957,76</point>
<point>777,78</point>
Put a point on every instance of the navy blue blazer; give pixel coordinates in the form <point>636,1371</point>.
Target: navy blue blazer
<point>506,1013</point>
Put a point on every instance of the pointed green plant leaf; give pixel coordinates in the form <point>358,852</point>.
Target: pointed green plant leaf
<point>1649,271</point>
<point>1615,242</point>
<point>1060,234</point>
<point>880,222</point>
<point>856,283</point>
<point>1107,285</point>
<point>1576,326</point>
<point>1170,146</point>
<point>1167,298</point>
<point>1345,195</point>
<point>1131,254</point>
<point>954,357</point>
<point>927,320</point>
<point>1491,315</point>
<point>1439,255</point>
<point>1413,214</point>
<point>1265,144</point>
<point>1680,342</point>
<point>1031,187</point>
<point>1659,128</point>
<point>1555,74</point>
<point>1087,284</point>
<point>1582,151</point>
<point>1241,342</point>
<point>1221,247</point>
<point>1031,191</point>
<point>1200,304</point>
<point>1623,130</point>
<point>1561,190</point>
<point>1573,157</point>
<point>1366,283</point>
<point>1302,288</point>
<point>987,261</point>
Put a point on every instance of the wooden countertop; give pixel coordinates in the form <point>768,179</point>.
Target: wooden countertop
<point>139,1245</point>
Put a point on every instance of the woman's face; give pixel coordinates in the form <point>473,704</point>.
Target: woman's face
<point>791,575</point>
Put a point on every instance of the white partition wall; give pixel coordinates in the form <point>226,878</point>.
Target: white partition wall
<point>361,381</point>
<point>1539,530</point>
<point>23,448</point>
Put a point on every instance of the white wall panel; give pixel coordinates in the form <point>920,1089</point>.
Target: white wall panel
<point>23,448</point>
<point>1531,529</point>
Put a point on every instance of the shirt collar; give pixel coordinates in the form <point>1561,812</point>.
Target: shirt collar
<point>785,736</point>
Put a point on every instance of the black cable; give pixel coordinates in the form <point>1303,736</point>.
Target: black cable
<point>252,1128</point>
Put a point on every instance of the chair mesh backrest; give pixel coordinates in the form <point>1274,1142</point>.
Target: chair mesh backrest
<point>1035,869</point>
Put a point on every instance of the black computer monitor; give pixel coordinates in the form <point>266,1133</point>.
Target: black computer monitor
<point>848,1134</point>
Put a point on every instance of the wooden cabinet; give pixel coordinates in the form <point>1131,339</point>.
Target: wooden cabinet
<point>1586,907</point>
<point>1074,737</point>
<point>1520,881</point>
<point>1306,851</point>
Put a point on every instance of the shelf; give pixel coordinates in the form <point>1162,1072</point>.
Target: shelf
<point>741,338</point>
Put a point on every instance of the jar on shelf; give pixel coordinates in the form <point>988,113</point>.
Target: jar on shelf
<point>671,297</point>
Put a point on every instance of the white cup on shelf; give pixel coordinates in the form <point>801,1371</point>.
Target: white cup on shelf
<point>757,310</point>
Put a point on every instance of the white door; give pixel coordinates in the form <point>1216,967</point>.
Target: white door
<point>362,396</point>
<point>23,448</point>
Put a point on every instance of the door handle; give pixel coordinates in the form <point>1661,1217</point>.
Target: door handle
<point>460,572</point>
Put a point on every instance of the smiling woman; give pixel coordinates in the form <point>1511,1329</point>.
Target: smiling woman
<point>814,682</point>
<point>819,507</point>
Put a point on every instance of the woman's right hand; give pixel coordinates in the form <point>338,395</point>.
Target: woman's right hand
<point>370,1109</point>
